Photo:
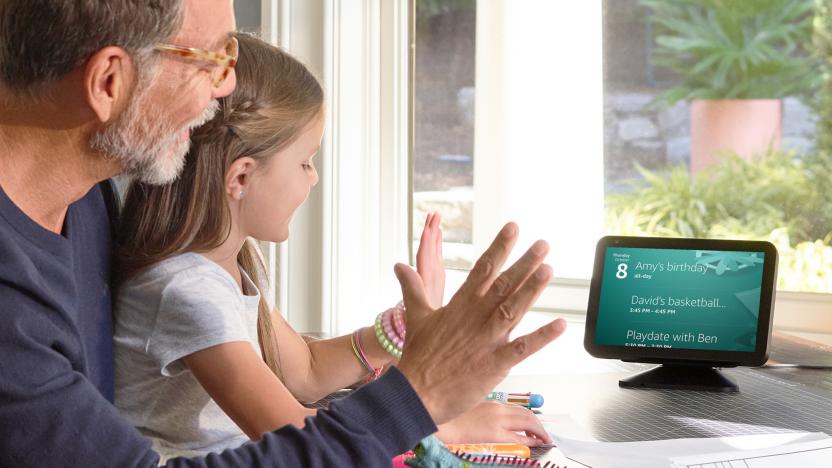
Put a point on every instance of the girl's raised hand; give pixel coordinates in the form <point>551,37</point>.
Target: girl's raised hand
<point>429,262</point>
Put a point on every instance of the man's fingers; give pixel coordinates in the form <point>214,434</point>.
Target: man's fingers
<point>488,265</point>
<point>512,353</point>
<point>516,275</point>
<point>506,315</point>
<point>413,291</point>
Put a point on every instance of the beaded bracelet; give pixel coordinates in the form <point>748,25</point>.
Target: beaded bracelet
<point>398,322</point>
<point>383,339</point>
<point>387,324</point>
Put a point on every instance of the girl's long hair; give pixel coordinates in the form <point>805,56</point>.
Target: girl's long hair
<point>275,98</point>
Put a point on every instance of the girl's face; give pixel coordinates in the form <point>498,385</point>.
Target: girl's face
<point>280,185</point>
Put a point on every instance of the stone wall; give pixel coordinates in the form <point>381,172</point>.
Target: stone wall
<point>657,138</point>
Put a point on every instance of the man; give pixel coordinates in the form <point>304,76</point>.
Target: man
<point>89,90</point>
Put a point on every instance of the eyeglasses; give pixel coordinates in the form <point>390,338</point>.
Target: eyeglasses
<point>222,62</point>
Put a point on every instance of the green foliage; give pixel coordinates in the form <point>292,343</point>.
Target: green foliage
<point>734,49</point>
<point>672,204</point>
<point>806,266</point>
<point>820,178</point>
<point>822,50</point>
<point>777,196</point>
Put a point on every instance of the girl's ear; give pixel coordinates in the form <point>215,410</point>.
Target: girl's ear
<point>238,178</point>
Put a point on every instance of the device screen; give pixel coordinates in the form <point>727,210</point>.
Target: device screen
<point>680,299</point>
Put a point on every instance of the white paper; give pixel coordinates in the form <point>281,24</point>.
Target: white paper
<point>565,426</point>
<point>802,455</point>
<point>658,453</point>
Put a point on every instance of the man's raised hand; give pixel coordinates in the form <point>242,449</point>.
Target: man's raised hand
<point>455,355</point>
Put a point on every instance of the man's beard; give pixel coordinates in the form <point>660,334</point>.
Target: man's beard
<point>145,146</point>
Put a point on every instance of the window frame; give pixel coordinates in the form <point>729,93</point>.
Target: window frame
<point>346,238</point>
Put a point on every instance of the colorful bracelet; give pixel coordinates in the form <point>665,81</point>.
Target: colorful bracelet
<point>354,342</point>
<point>376,371</point>
<point>398,322</point>
<point>384,340</point>
<point>387,324</point>
<point>358,349</point>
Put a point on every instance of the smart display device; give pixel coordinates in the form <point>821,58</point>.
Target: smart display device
<point>691,305</point>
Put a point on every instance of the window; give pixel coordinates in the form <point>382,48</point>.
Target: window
<point>711,129</point>
<point>508,125</point>
<point>443,147</point>
<point>506,100</point>
<point>248,15</point>
<point>522,113</point>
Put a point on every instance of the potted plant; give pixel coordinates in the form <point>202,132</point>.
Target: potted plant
<point>736,59</point>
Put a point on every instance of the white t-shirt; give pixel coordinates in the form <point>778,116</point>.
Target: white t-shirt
<point>177,307</point>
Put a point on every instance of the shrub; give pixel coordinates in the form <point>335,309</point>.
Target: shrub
<point>745,49</point>
<point>777,196</point>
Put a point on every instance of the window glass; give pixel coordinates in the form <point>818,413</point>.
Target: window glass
<point>247,14</point>
<point>711,127</point>
<point>683,118</point>
<point>443,152</point>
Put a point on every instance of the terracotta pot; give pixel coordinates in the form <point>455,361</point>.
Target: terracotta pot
<point>744,126</point>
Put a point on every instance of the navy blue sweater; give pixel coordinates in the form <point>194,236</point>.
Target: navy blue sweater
<point>56,368</point>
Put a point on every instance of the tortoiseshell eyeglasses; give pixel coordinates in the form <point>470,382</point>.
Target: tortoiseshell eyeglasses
<point>222,62</point>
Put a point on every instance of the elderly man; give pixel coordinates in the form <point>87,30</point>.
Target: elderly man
<point>91,89</point>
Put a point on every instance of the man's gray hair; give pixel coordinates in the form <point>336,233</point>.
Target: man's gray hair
<point>43,40</point>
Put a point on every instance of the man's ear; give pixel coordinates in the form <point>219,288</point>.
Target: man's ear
<point>108,80</point>
<point>238,177</point>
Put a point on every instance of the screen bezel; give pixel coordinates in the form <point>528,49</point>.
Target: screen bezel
<point>677,355</point>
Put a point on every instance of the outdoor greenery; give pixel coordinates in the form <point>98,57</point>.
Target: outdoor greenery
<point>775,197</point>
<point>724,49</point>
<point>822,50</point>
<point>727,49</point>
<point>748,198</point>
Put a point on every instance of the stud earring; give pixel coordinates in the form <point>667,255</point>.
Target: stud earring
<point>242,194</point>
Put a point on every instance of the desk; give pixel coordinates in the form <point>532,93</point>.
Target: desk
<point>586,389</point>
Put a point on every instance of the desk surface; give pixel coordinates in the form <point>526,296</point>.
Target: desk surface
<point>764,404</point>
<point>779,399</point>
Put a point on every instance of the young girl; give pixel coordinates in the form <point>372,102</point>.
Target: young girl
<point>202,361</point>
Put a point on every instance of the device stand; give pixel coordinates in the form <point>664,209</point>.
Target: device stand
<point>680,377</point>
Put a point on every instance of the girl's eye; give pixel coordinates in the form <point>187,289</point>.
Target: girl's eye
<point>308,166</point>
